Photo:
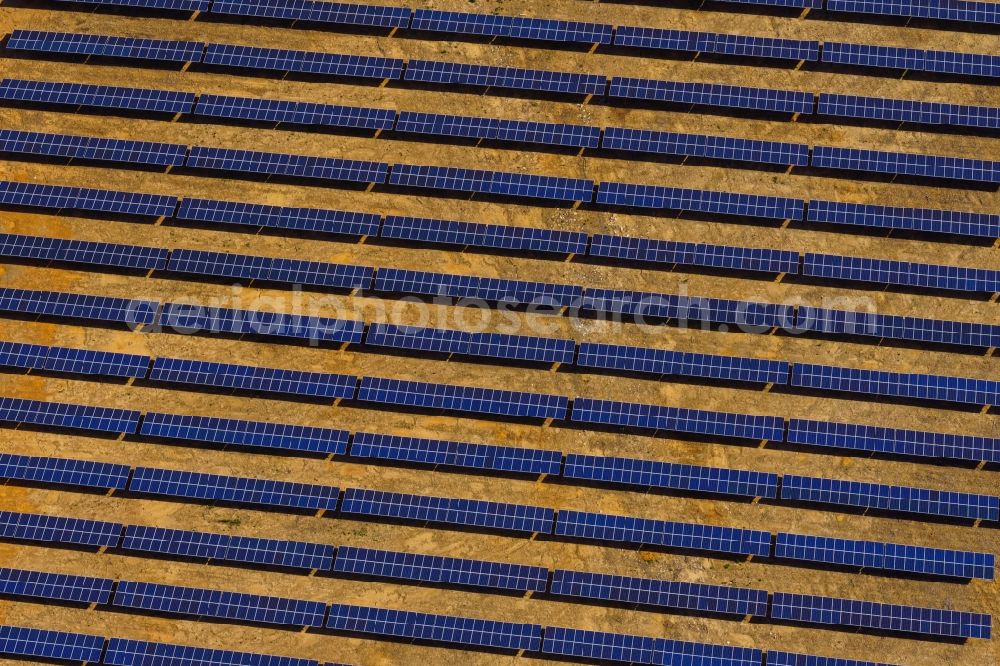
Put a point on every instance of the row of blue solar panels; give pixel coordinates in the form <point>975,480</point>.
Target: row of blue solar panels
<point>65,415</point>
<point>701,145</point>
<point>716,43</point>
<point>117,255</point>
<point>55,587</point>
<point>942,62</point>
<point>92,148</point>
<point>939,331</point>
<point>267,269</point>
<point>610,647</point>
<point>885,556</point>
<point>912,274</point>
<point>50,645</point>
<point>871,615</point>
<point>446,232</point>
<point>187,319</point>
<point>712,94</point>
<point>665,593</point>
<point>438,628</point>
<point>498,129</point>
<point>489,345</point>
<point>316,12</point>
<point>980,225</point>
<point>909,164</point>
<point>455,454</point>
<point>447,510</point>
<point>63,471</point>
<point>305,62</point>
<point>94,96</point>
<point>72,360</point>
<point>945,10</point>
<point>453,73</point>
<point>781,658</point>
<point>796,4</point>
<point>81,198</point>
<point>669,534</point>
<point>694,254</point>
<point>674,476</point>
<point>173,5</point>
<point>499,183</point>
<point>700,201</point>
<point>296,113</point>
<point>65,43</point>
<point>647,360</point>
<point>883,497</point>
<point>319,220</point>
<point>909,111</point>
<point>59,530</point>
<point>644,305</point>
<point>896,441</point>
<point>282,164</point>
<point>400,281</point>
<point>78,306</point>
<point>127,652</point>
<point>253,378</point>
<point>515,27</point>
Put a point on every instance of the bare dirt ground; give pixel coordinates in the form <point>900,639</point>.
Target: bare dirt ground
<point>977,596</point>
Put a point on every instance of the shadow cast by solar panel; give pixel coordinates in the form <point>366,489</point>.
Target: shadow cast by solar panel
<point>859,285</point>
<point>206,619</point>
<point>104,61</point>
<point>80,377</point>
<point>437,585</point>
<point>901,234</point>
<point>867,512</point>
<point>658,434</point>
<point>229,448</point>
<point>692,323</point>
<point>455,357</point>
<point>82,109</point>
<point>399,640</point>
<point>42,660</point>
<point>661,377</point>
<point>686,160</point>
<point>299,181</point>
<point>838,452</point>
<point>204,561</point>
<point>473,142</point>
<point>630,605</point>
<point>823,67</point>
<point>256,283</point>
<point>103,10</point>
<point>699,109</point>
<point>244,506</point>
<point>880,633</point>
<point>915,22</point>
<point>439,468</point>
<point>282,75</point>
<point>283,340</point>
<point>872,398</point>
<point>58,319</point>
<point>894,343</point>
<point>294,24</point>
<point>322,130</point>
<point>806,565</point>
<point>73,266</point>
<point>896,179</point>
<point>226,390</point>
<point>674,213</point>
<point>49,485</point>
<point>659,491</point>
<point>80,161</point>
<point>59,545</point>
<point>417,35</point>
<point>269,232</point>
<point>425,411</point>
<point>623,545</point>
<point>488,91</point>
<point>46,601</point>
<point>664,267</point>
<point>430,525</point>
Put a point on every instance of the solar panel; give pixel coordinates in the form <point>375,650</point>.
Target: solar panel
<point>448,510</point>
<point>33,195</point>
<point>453,73</point>
<point>279,217</point>
<point>909,111</point>
<point>234,489</point>
<point>491,345</point>
<point>92,96</point>
<point>455,454</point>
<point>693,254</point>
<point>897,441</point>
<point>445,232</point>
<point>61,645</point>
<point>219,604</point>
<point>938,331</point>
<point>599,645</point>
<point>945,10</point>
<point>677,419</point>
<point>399,281</point>
<point>910,164</point>
<point>23,355</point>
<point>438,628</point>
<point>943,62</point>
<point>716,43</point>
<point>712,94</point>
<point>885,556</point>
<point>700,201</point>
<point>515,27</point>
<point>888,498</point>
<point>873,615</point>
<point>703,145</point>
<point>472,399</point>
<point>63,471</point>
<point>65,415</point>
<point>961,223</point>
<point>442,570</point>
<point>684,536</point>
<point>78,306</point>
<point>105,46</point>
<point>297,113</point>
<point>775,658</point>
<point>185,318</point>
<point>318,12</point>
<point>303,62</point>
<point>797,4</point>
<point>127,652</point>
<point>269,269</point>
<point>229,548</point>
<point>178,5</point>
<point>83,252</point>
<point>58,587</point>
<point>676,476</point>
<point>92,362</point>
<point>907,273</point>
<point>253,378</point>
<point>646,360</point>
<point>281,164</point>
<point>964,390</point>
<point>58,530</point>
<point>250,434</point>
<point>500,183</point>
<point>664,593</point>
<point>644,306</point>
<point>499,129</point>
<point>92,148</point>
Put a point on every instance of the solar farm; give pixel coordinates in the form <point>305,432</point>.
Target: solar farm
<point>492,332</point>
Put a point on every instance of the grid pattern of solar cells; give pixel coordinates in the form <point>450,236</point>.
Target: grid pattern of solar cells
<point>91,362</point>
<point>318,12</point>
<point>687,364</point>
<point>66,415</point>
<point>943,62</point>
<point>78,306</point>
<point>716,43</point>
<point>909,111</point>
<point>442,570</point>
<point>105,46</point>
<point>234,489</point>
<point>281,164</point>
<point>516,27</point>
<point>871,615</point>
<point>228,548</point>
<point>712,94</point>
<point>186,318</point>
<point>775,658</point>
<point>676,476</point>
<point>909,164</point>
<point>83,252</point>
<point>253,378</point>
<point>59,645</point>
<point>399,281</point>
<point>797,4</point>
<point>677,419</point>
<point>897,384</point>
<point>945,10</point>
<point>104,97</point>
<point>703,145</point>
<point>92,148</point>
<point>890,498</point>
<point>694,254</point>
<point>982,225</point>
<point>269,269</point>
<point>886,556</point>
<point>58,530</point>
<point>23,355</point>
<point>447,510</point>
<point>433,71</point>
<point>906,273</point>
<point>477,400</point>
<point>684,536</point>
<point>307,62</point>
<point>529,239</point>
<point>279,217</point>
<point>700,201</point>
<point>176,5</point>
<point>665,593</point>
<point>599,645</point>
<point>893,440</point>
<point>219,603</point>
<point>499,129</point>
<point>33,195</point>
<point>57,587</point>
<point>252,434</point>
<point>296,113</point>
<point>745,314</point>
<point>938,331</point>
<point>491,345</point>
<point>127,652</point>
<point>499,183</point>
<point>63,471</point>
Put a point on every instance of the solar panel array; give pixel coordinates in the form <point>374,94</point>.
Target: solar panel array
<point>909,111</point>
<point>909,164</point>
<point>92,148</point>
<point>943,62</point>
<point>68,43</point>
<point>944,10</point>
<point>712,94</point>
<point>701,145</point>
<point>95,96</point>
<point>716,43</point>
<point>60,197</point>
<point>514,27</point>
